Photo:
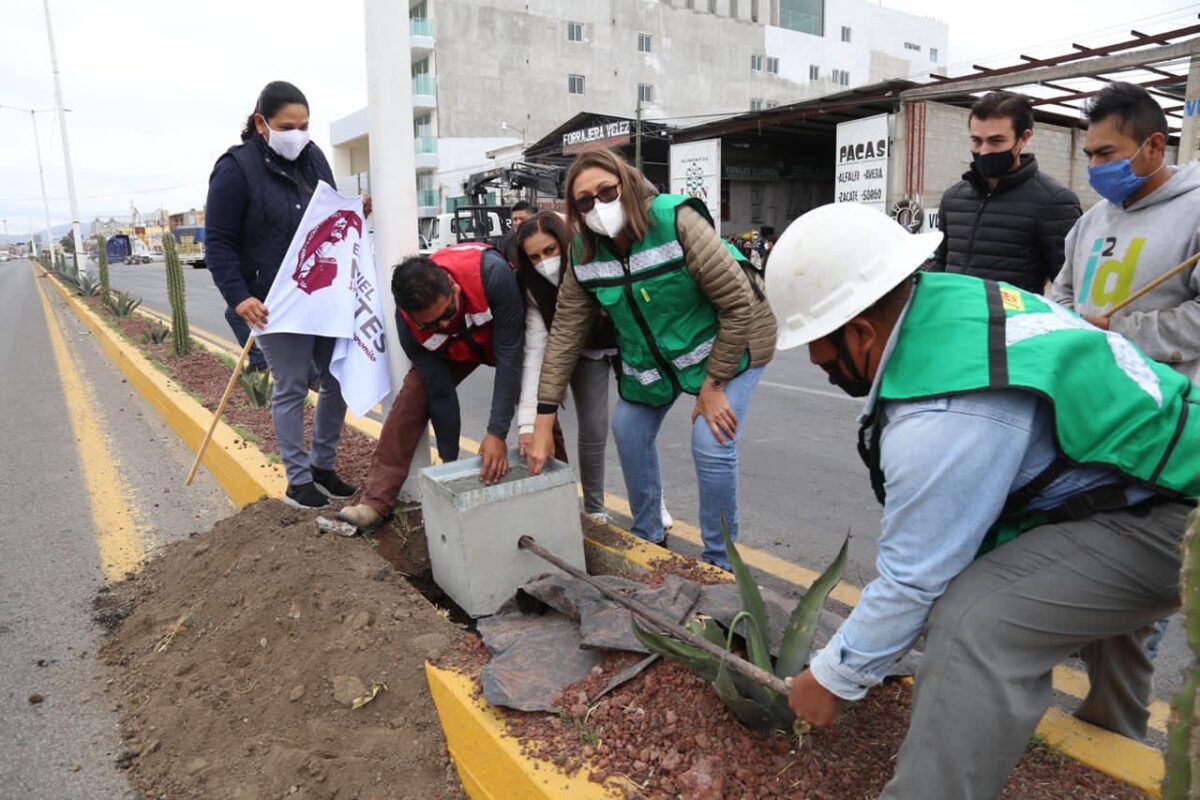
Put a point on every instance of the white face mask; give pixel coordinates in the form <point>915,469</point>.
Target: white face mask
<point>549,268</point>
<point>606,219</point>
<point>288,144</point>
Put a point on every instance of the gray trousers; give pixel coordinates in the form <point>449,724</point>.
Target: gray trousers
<point>288,356</point>
<point>1093,586</point>
<point>589,388</point>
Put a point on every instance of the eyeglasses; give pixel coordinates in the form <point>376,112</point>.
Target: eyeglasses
<point>446,316</point>
<point>606,195</point>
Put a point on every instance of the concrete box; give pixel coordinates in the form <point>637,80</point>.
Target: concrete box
<point>473,529</point>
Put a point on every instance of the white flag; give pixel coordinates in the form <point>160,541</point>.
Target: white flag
<point>327,285</point>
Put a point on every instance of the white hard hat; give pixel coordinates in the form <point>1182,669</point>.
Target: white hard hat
<point>835,262</point>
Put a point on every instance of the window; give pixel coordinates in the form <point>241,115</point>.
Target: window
<point>814,72</point>
<point>911,46</point>
<point>575,84</point>
<point>806,16</point>
<point>772,66</point>
<point>933,54</point>
<point>645,93</point>
<point>772,104</point>
<point>644,42</point>
<point>845,33</point>
<point>841,77</point>
<point>756,104</point>
<point>574,31</point>
<point>756,62</point>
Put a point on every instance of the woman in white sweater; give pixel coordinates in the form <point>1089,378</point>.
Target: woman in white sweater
<point>541,246</point>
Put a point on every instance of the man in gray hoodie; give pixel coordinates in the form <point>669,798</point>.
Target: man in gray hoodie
<point>1148,222</point>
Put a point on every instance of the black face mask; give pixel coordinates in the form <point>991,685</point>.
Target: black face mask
<point>857,385</point>
<point>993,165</point>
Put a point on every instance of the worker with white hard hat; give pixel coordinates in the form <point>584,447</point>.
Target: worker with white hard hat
<point>1035,474</point>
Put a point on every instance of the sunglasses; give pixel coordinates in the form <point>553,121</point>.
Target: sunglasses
<point>606,195</point>
<point>446,316</point>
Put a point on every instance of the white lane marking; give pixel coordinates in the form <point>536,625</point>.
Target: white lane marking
<point>804,389</point>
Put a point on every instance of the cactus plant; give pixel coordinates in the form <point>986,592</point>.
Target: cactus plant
<point>157,334</point>
<point>1182,779</point>
<point>87,285</point>
<point>102,259</point>
<point>181,341</point>
<point>754,705</point>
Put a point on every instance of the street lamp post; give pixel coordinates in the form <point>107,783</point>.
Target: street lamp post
<point>41,173</point>
<point>62,121</point>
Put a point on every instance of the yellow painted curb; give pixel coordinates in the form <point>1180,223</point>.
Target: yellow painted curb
<point>490,762</point>
<point>239,466</point>
<point>246,475</point>
<point>1128,761</point>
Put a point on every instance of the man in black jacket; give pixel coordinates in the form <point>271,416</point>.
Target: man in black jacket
<point>1005,220</point>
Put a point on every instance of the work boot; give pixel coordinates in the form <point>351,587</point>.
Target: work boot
<point>329,484</point>
<point>305,495</point>
<point>361,516</point>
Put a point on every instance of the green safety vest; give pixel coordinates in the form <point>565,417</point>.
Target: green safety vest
<point>665,324</point>
<point>1112,406</point>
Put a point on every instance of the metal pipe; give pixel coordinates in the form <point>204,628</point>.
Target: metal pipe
<point>734,662</point>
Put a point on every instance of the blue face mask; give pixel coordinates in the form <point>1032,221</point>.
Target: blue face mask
<point>1116,180</point>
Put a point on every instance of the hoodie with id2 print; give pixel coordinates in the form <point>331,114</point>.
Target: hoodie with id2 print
<point>1113,251</point>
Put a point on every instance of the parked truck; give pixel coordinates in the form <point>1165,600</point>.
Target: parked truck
<point>190,245</point>
<point>126,249</point>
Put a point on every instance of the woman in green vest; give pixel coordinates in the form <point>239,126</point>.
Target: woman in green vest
<point>690,317</point>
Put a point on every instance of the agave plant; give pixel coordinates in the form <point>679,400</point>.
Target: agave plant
<point>755,705</point>
<point>157,334</point>
<point>258,387</point>
<point>122,304</point>
<point>86,284</point>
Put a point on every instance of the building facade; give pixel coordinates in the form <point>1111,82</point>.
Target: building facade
<point>488,74</point>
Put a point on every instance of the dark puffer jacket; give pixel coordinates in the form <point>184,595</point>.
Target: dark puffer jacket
<point>1014,233</point>
<point>255,203</point>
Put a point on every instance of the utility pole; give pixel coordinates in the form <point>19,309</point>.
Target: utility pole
<point>637,142</point>
<point>393,174</point>
<point>42,180</point>
<point>62,121</point>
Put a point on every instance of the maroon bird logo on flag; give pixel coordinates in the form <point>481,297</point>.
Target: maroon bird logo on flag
<point>316,265</point>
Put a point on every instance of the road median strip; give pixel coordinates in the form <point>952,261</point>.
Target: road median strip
<point>246,475</point>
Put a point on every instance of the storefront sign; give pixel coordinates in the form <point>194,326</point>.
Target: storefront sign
<point>609,134</point>
<point>737,173</point>
<point>696,172</point>
<point>863,147</point>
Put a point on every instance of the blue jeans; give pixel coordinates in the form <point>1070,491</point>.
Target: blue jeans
<point>241,332</point>
<point>635,429</point>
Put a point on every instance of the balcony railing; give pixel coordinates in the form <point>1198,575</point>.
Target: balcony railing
<point>424,84</point>
<point>425,144</point>
<point>420,27</point>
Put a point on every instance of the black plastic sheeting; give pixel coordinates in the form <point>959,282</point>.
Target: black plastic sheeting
<point>557,628</point>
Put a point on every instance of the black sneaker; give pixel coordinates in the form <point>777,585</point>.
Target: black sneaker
<point>329,484</point>
<point>305,495</point>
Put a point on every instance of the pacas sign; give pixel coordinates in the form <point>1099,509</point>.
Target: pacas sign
<point>862,161</point>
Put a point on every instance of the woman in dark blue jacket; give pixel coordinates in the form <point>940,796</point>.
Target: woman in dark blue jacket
<point>256,197</point>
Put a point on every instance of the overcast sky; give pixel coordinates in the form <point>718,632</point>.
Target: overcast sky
<point>159,90</point>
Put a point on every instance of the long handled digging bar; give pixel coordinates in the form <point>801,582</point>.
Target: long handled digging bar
<point>237,370</point>
<point>1154,284</point>
<point>740,665</point>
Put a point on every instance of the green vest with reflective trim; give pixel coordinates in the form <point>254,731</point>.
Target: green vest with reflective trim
<point>665,324</point>
<point>1112,406</point>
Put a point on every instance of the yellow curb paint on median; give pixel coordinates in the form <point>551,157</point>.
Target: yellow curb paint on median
<point>1109,753</point>
<point>239,466</point>
<point>119,538</point>
<point>489,761</point>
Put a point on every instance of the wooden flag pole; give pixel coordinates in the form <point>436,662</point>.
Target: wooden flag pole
<point>237,370</point>
<point>1154,284</point>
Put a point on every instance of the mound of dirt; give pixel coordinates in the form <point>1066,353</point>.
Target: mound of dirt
<point>239,653</point>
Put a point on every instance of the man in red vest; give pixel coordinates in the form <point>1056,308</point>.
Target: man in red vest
<point>457,309</point>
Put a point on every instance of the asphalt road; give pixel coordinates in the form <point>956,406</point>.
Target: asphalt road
<point>802,483</point>
<point>53,535</point>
